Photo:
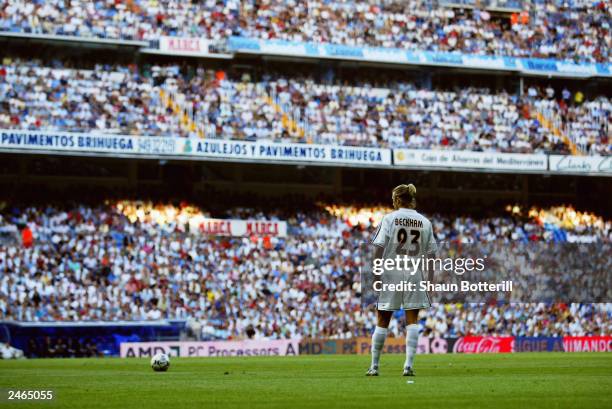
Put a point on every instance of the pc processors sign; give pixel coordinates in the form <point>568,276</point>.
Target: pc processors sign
<point>279,347</point>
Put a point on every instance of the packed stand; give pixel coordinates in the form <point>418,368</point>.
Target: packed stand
<point>130,20</point>
<point>403,116</point>
<point>546,29</point>
<point>578,30</point>
<point>139,261</point>
<point>195,102</point>
<point>549,29</point>
<point>585,122</point>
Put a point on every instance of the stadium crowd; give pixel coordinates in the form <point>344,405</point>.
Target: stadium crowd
<point>574,30</point>
<point>548,29</point>
<point>140,261</point>
<point>130,20</point>
<point>196,102</point>
<point>591,136</point>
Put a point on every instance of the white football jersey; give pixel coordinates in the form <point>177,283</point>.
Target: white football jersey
<point>405,232</point>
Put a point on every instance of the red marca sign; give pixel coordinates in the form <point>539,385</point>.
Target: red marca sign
<point>184,45</point>
<point>479,344</point>
<point>239,228</point>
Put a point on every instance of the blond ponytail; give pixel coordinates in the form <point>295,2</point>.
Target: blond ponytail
<point>404,196</point>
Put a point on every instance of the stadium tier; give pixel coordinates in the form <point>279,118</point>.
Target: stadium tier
<point>139,261</point>
<point>203,103</point>
<point>133,20</point>
<point>574,30</point>
<point>549,29</point>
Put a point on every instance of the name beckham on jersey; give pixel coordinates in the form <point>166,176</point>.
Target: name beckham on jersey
<point>408,222</point>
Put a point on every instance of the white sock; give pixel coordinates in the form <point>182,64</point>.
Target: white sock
<point>378,341</point>
<point>412,339</point>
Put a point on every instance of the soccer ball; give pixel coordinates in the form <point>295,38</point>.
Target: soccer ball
<point>160,362</point>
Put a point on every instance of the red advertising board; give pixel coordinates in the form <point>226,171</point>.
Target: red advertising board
<point>480,344</point>
<point>588,344</point>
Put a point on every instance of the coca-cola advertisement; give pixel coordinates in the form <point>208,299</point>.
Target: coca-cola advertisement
<point>480,344</point>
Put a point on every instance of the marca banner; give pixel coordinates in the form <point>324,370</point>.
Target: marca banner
<point>483,344</point>
<point>191,46</point>
<point>469,160</point>
<point>284,347</point>
<point>238,228</point>
<point>33,141</point>
<point>588,344</point>
<point>402,56</point>
<point>600,165</point>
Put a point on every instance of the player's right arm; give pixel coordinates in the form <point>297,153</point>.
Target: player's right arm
<point>381,238</point>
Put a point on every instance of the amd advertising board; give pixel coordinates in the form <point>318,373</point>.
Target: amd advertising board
<point>284,347</point>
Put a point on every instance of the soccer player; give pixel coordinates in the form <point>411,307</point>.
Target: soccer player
<point>401,232</point>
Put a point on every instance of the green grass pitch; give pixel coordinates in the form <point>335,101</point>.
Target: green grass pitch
<point>525,380</point>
